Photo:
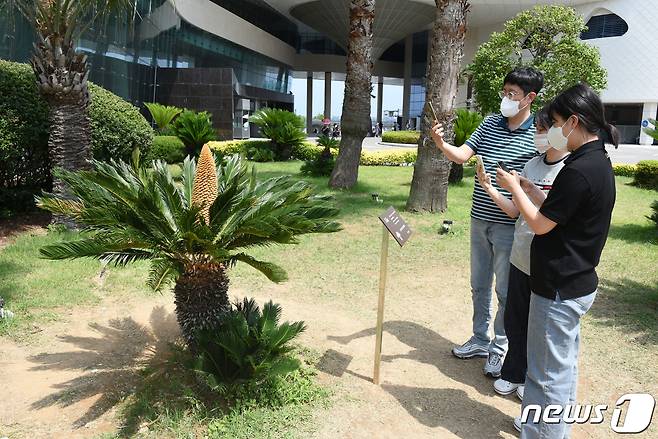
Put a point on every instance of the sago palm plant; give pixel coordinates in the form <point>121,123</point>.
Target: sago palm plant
<point>162,115</point>
<point>191,233</point>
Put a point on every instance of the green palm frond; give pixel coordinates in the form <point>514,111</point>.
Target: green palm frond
<point>130,213</point>
<point>162,115</point>
<point>272,271</point>
<point>161,272</point>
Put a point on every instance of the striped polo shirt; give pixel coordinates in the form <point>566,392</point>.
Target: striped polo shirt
<point>494,142</point>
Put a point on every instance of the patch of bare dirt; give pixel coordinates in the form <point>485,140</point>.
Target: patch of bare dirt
<point>69,383</point>
<point>11,227</point>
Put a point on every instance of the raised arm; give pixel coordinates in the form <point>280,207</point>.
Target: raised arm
<point>457,154</point>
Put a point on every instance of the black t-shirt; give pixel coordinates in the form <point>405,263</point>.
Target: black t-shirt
<point>564,260</point>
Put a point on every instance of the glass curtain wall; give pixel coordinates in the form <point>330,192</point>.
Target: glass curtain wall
<point>125,53</point>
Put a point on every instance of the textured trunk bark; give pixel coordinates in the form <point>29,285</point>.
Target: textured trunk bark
<point>429,187</point>
<point>68,145</point>
<point>201,299</point>
<point>62,77</point>
<point>355,119</point>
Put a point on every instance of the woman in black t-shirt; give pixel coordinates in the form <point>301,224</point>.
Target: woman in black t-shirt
<point>571,228</point>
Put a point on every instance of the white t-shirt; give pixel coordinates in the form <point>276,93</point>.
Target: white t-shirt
<point>541,173</point>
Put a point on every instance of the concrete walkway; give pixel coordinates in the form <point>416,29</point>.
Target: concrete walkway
<point>630,154</point>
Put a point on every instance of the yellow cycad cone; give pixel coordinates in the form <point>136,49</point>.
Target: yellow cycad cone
<point>204,191</point>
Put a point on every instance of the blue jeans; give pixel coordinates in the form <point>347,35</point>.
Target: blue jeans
<point>491,245</point>
<point>553,342</point>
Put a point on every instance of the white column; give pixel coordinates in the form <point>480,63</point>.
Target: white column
<point>649,111</point>
<point>406,92</point>
<point>309,103</point>
<point>327,95</point>
<point>380,100</point>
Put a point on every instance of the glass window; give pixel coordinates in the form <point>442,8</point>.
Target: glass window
<point>604,26</point>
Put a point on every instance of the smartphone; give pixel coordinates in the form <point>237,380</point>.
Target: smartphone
<point>436,118</point>
<point>503,166</point>
<point>480,162</point>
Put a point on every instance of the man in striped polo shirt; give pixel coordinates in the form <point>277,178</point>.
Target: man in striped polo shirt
<point>507,137</point>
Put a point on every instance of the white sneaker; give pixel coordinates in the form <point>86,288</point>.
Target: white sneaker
<point>517,424</point>
<point>504,387</point>
<point>519,392</point>
<point>470,349</point>
<point>493,365</point>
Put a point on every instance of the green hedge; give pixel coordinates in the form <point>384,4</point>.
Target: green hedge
<point>24,163</point>
<point>117,127</point>
<point>624,170</point>
<point>410,137</point>
<point>168,148</point>
<point>646,174</point>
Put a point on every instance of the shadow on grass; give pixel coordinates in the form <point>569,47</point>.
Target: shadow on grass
<point>9,272</point>
<point>635,233</point>
<point>449,408</point>
<point>630,305</point>
<point>112,366</point>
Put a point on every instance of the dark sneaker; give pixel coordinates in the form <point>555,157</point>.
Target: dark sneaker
<point>470,349</point>
<point>493,365</point>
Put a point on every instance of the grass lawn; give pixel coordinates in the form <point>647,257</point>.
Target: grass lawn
<point>343,269</point>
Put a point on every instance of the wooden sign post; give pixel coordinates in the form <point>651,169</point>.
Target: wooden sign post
<point>394,226</point>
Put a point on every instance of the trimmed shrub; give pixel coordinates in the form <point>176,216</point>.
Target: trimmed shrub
<point>168,148</point>
<point>260,153</point>
<point>654,215</point>
<point>225,148</point>
<point>624,170</point>
<point>194,129</point>
<point>24,162</point>
<point>323,164</point>
<point>117,127</point>
<point>646,174</point>
<point>409,137</point>
<point>385,158</point>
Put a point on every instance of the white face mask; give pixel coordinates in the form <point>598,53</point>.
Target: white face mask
<point>510,108</point>
<point>541,143</point>
<point>557,139</point>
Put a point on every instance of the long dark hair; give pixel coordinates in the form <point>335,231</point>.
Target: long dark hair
<point>580,100</point>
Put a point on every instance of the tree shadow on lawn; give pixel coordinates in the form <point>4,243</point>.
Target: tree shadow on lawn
<point>630,305</point>
<point>9,272</point>
<point>452,409</point>
<point>112,365</point>
<point>635,233</point>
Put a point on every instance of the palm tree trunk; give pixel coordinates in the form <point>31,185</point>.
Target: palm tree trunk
<point>429,187</point>
<point>355,120</point>
<point>62,77</point>
<point>201,299</point>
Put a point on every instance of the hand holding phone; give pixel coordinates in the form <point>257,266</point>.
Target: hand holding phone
<point>480,163</point>
<point>436,118</point>
<point>503,166</point>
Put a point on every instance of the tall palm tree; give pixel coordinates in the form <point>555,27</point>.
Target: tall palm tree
<point>355,120</point>
<point>62,73</point>
<point>191,233</point>
<point>429,187</point>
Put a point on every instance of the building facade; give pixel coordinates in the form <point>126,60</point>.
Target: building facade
<point>232,57</point>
